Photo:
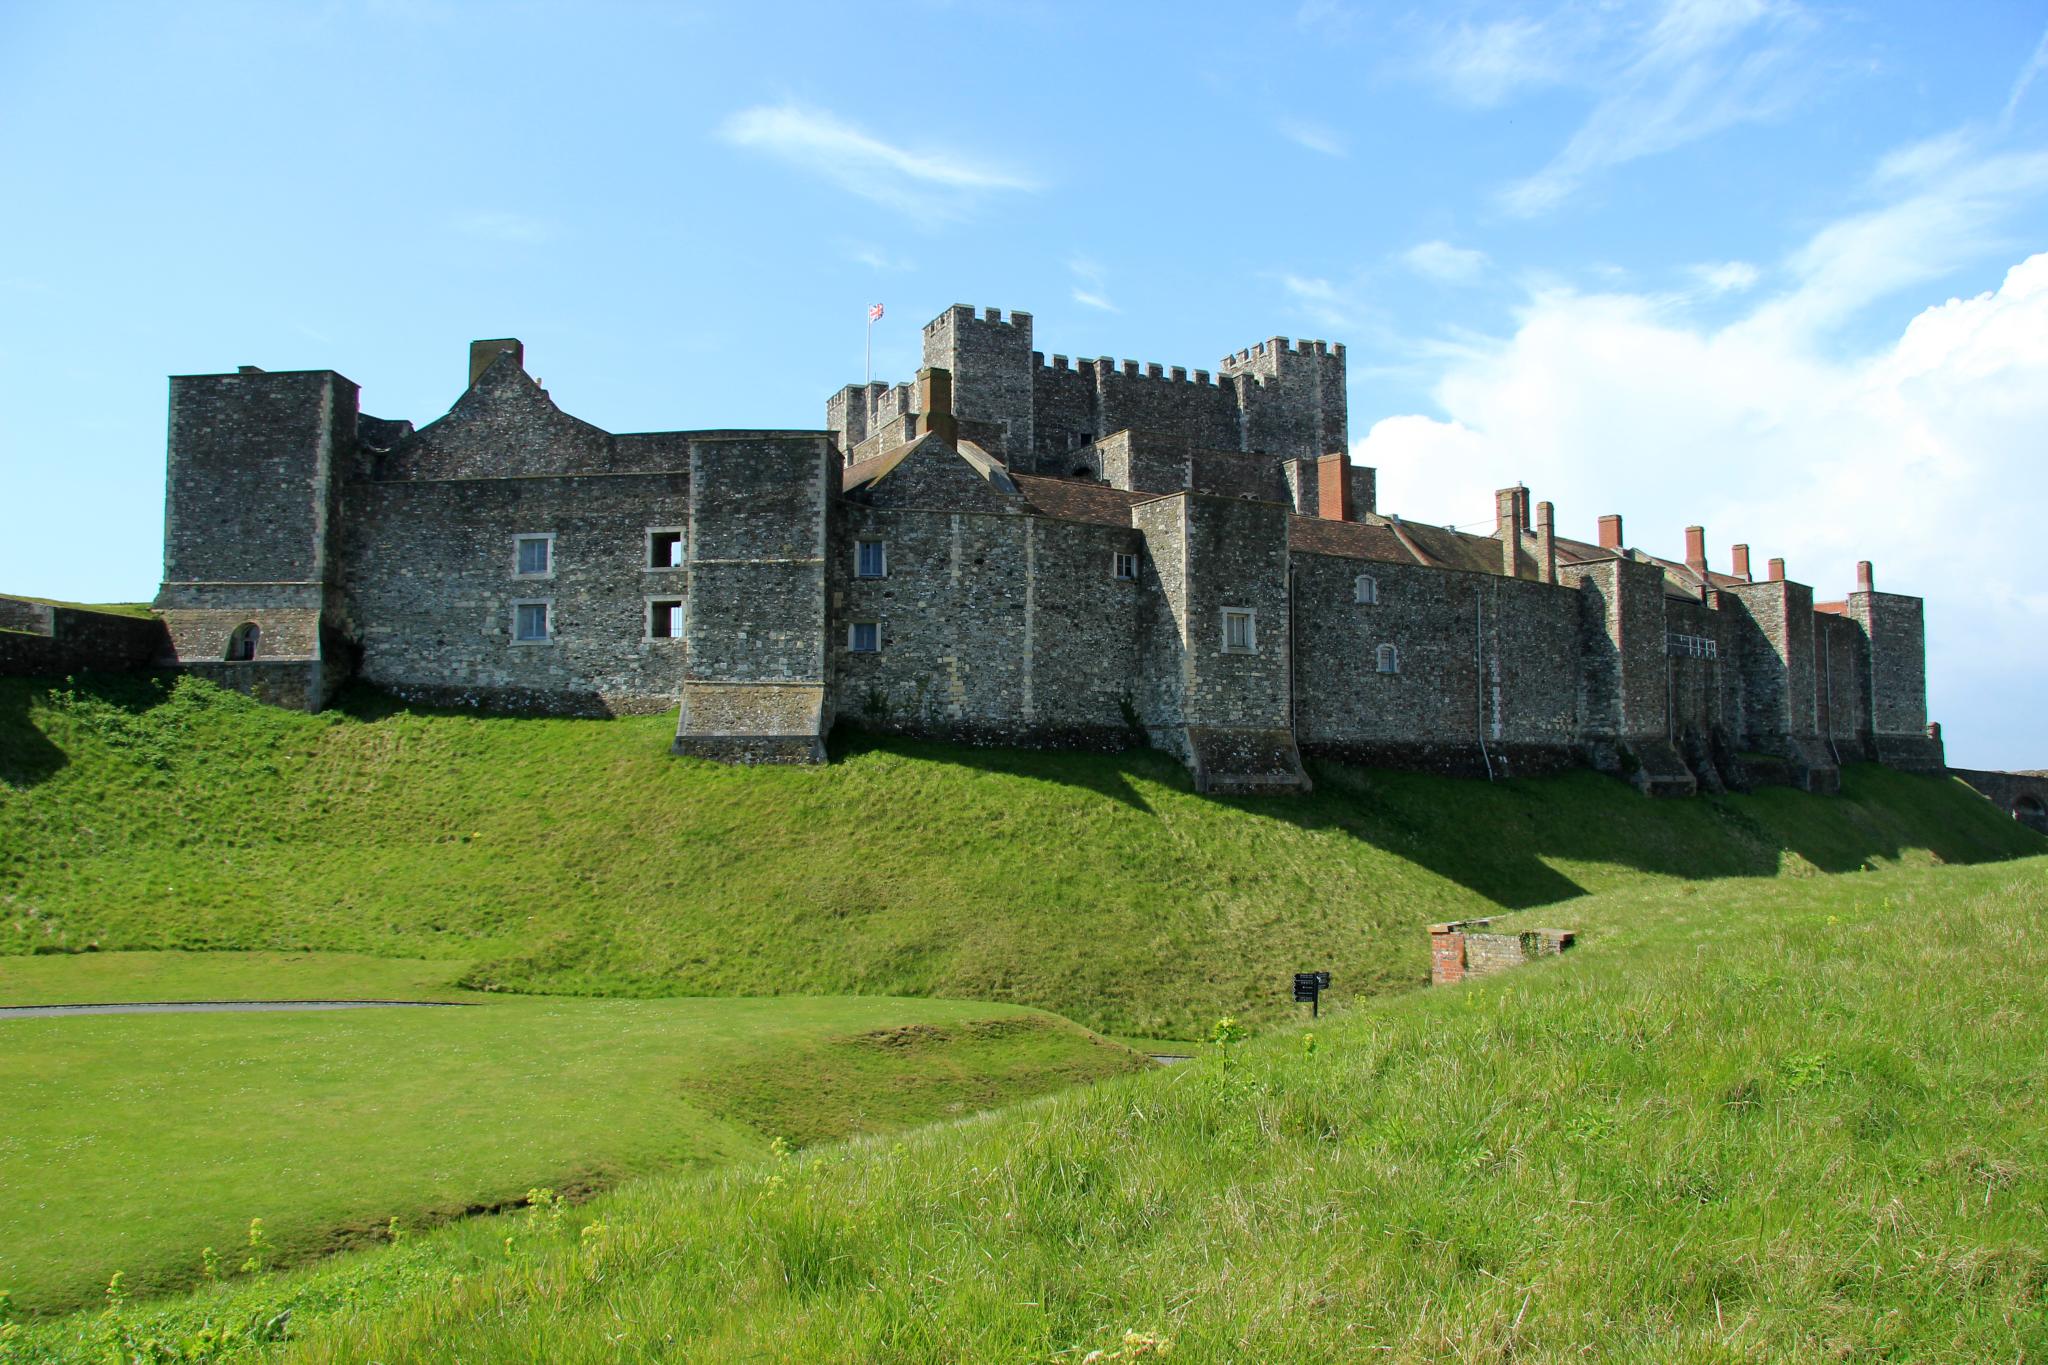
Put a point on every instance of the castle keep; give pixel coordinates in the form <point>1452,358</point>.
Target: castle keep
<point>1009,550</point>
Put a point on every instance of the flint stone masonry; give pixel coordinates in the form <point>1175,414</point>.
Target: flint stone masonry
<point>41,640</point>
<point>2023,796</point>
<point>1072,552</point>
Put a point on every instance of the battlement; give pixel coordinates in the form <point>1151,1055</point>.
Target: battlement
<point>963,314</point>
<point>1274,351</point>
<point>1127,369</point>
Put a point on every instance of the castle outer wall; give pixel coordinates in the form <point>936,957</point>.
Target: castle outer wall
<point>1011,550</point>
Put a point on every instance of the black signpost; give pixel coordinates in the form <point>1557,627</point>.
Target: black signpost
<point>1308,990</point>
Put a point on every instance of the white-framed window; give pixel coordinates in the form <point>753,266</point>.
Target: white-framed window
<point>864,637</point>
<point>533,555</point>
<point>1366,591</point>
<point>533,623</point>
<point>664,618</point>
<point>871,559</point>
<point>1387,659</point>
<point>1123,565</point>
<point>665,547</point>
<point>1240,630</point>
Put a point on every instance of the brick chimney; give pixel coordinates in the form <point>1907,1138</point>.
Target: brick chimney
<point>1546,542</point>
<point>1510,519</point>
<point>482,353</point>
<point>1696,549</point>
<point>935,403</point>
<point>1610,532</point>
<point>1775,570</point>
<point>1333,487</point>
<point>1863,578</point>
<point>1740,554</point>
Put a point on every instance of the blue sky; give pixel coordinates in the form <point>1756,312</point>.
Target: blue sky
<point>1767,266</point>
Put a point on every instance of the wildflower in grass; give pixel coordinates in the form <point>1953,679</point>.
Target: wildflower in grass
<point>259,1249</point>
<point>393,1232</point>
<point>1228,1032</point>
<point>1308,1045</point>
<point>209,1264</point>
<point>117,1294</point>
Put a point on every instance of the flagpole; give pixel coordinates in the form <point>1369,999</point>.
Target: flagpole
<point>868,354</point>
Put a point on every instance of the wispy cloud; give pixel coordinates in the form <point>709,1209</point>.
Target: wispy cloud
<point>1484,65</point>
<point>2033,68</point>
<point>905,178</point>
<point>874,258</point>
<point>1089,290</point>
<point>1725,277</point>
<point>1702,66</point>
<point>1314,136</point>
<point>1320,301</point>
<point>1445,263</point>
<point>519,229</point>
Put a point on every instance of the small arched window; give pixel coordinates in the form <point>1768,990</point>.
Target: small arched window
<point>1389,659</point>
<point>242,644</point>
<point>1082,471</point>
<point>1366,592</point>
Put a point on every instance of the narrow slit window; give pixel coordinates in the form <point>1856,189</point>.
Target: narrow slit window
<point>864,637</point>
<point>1239,631</point>
<point>664,618</point>
<point>664,549</point>
<point>871,560</point>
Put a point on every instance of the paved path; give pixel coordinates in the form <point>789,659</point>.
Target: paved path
<point>219,1007</point>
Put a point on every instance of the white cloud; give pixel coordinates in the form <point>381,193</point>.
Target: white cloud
<point>519,229</point>
<point>1314,136</point>
<point>1487,64</point>
<point>913,180</point>
<point>1923,456</point>
<point>1089,289</point>
<point>874,258</point>
<point>1702,66</point>
<point>1319,300</point>
<point>1444,262</point>
<point>2035,65</point>
<point>1726,277</point>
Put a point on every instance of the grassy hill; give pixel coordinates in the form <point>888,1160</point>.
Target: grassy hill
<point>578,857</point>
<point>1778,1119</point>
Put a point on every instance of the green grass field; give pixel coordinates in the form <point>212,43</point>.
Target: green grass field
<point>1768,1120</point>
<point>578,857</point>
<point>131,1142</point>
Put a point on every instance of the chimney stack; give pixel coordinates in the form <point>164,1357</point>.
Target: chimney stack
<point>1510,519</point>
<point>1696,549</point>
<point>482,353</point>
<point>1610,532</point>
<point>1546,542</point>
<point>935,403</point>
<point>1863,576</point>
<point>1776,570</point>
<point>1741,556</point>
<point>1333,487</point>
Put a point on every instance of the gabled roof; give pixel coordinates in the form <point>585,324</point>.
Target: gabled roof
<point>933,469</point>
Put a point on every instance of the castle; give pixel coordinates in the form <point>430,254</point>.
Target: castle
<point>1009,550</point>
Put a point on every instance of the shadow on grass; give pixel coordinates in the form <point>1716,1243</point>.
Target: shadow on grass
<point>27,755</point>
<point>1105,774</point>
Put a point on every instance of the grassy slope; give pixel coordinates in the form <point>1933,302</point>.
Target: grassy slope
<point>1779,1120</point>
<point>121,978</point>
<point>140,609</point>
<point>578,857</point>
<point>133,1141</point>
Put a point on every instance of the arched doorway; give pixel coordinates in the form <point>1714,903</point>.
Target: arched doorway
<point>2030,811</point>
<point>242,644</point>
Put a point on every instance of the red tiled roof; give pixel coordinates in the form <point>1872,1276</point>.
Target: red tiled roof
<point>1348,539</point>
<point>1074,500</point>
